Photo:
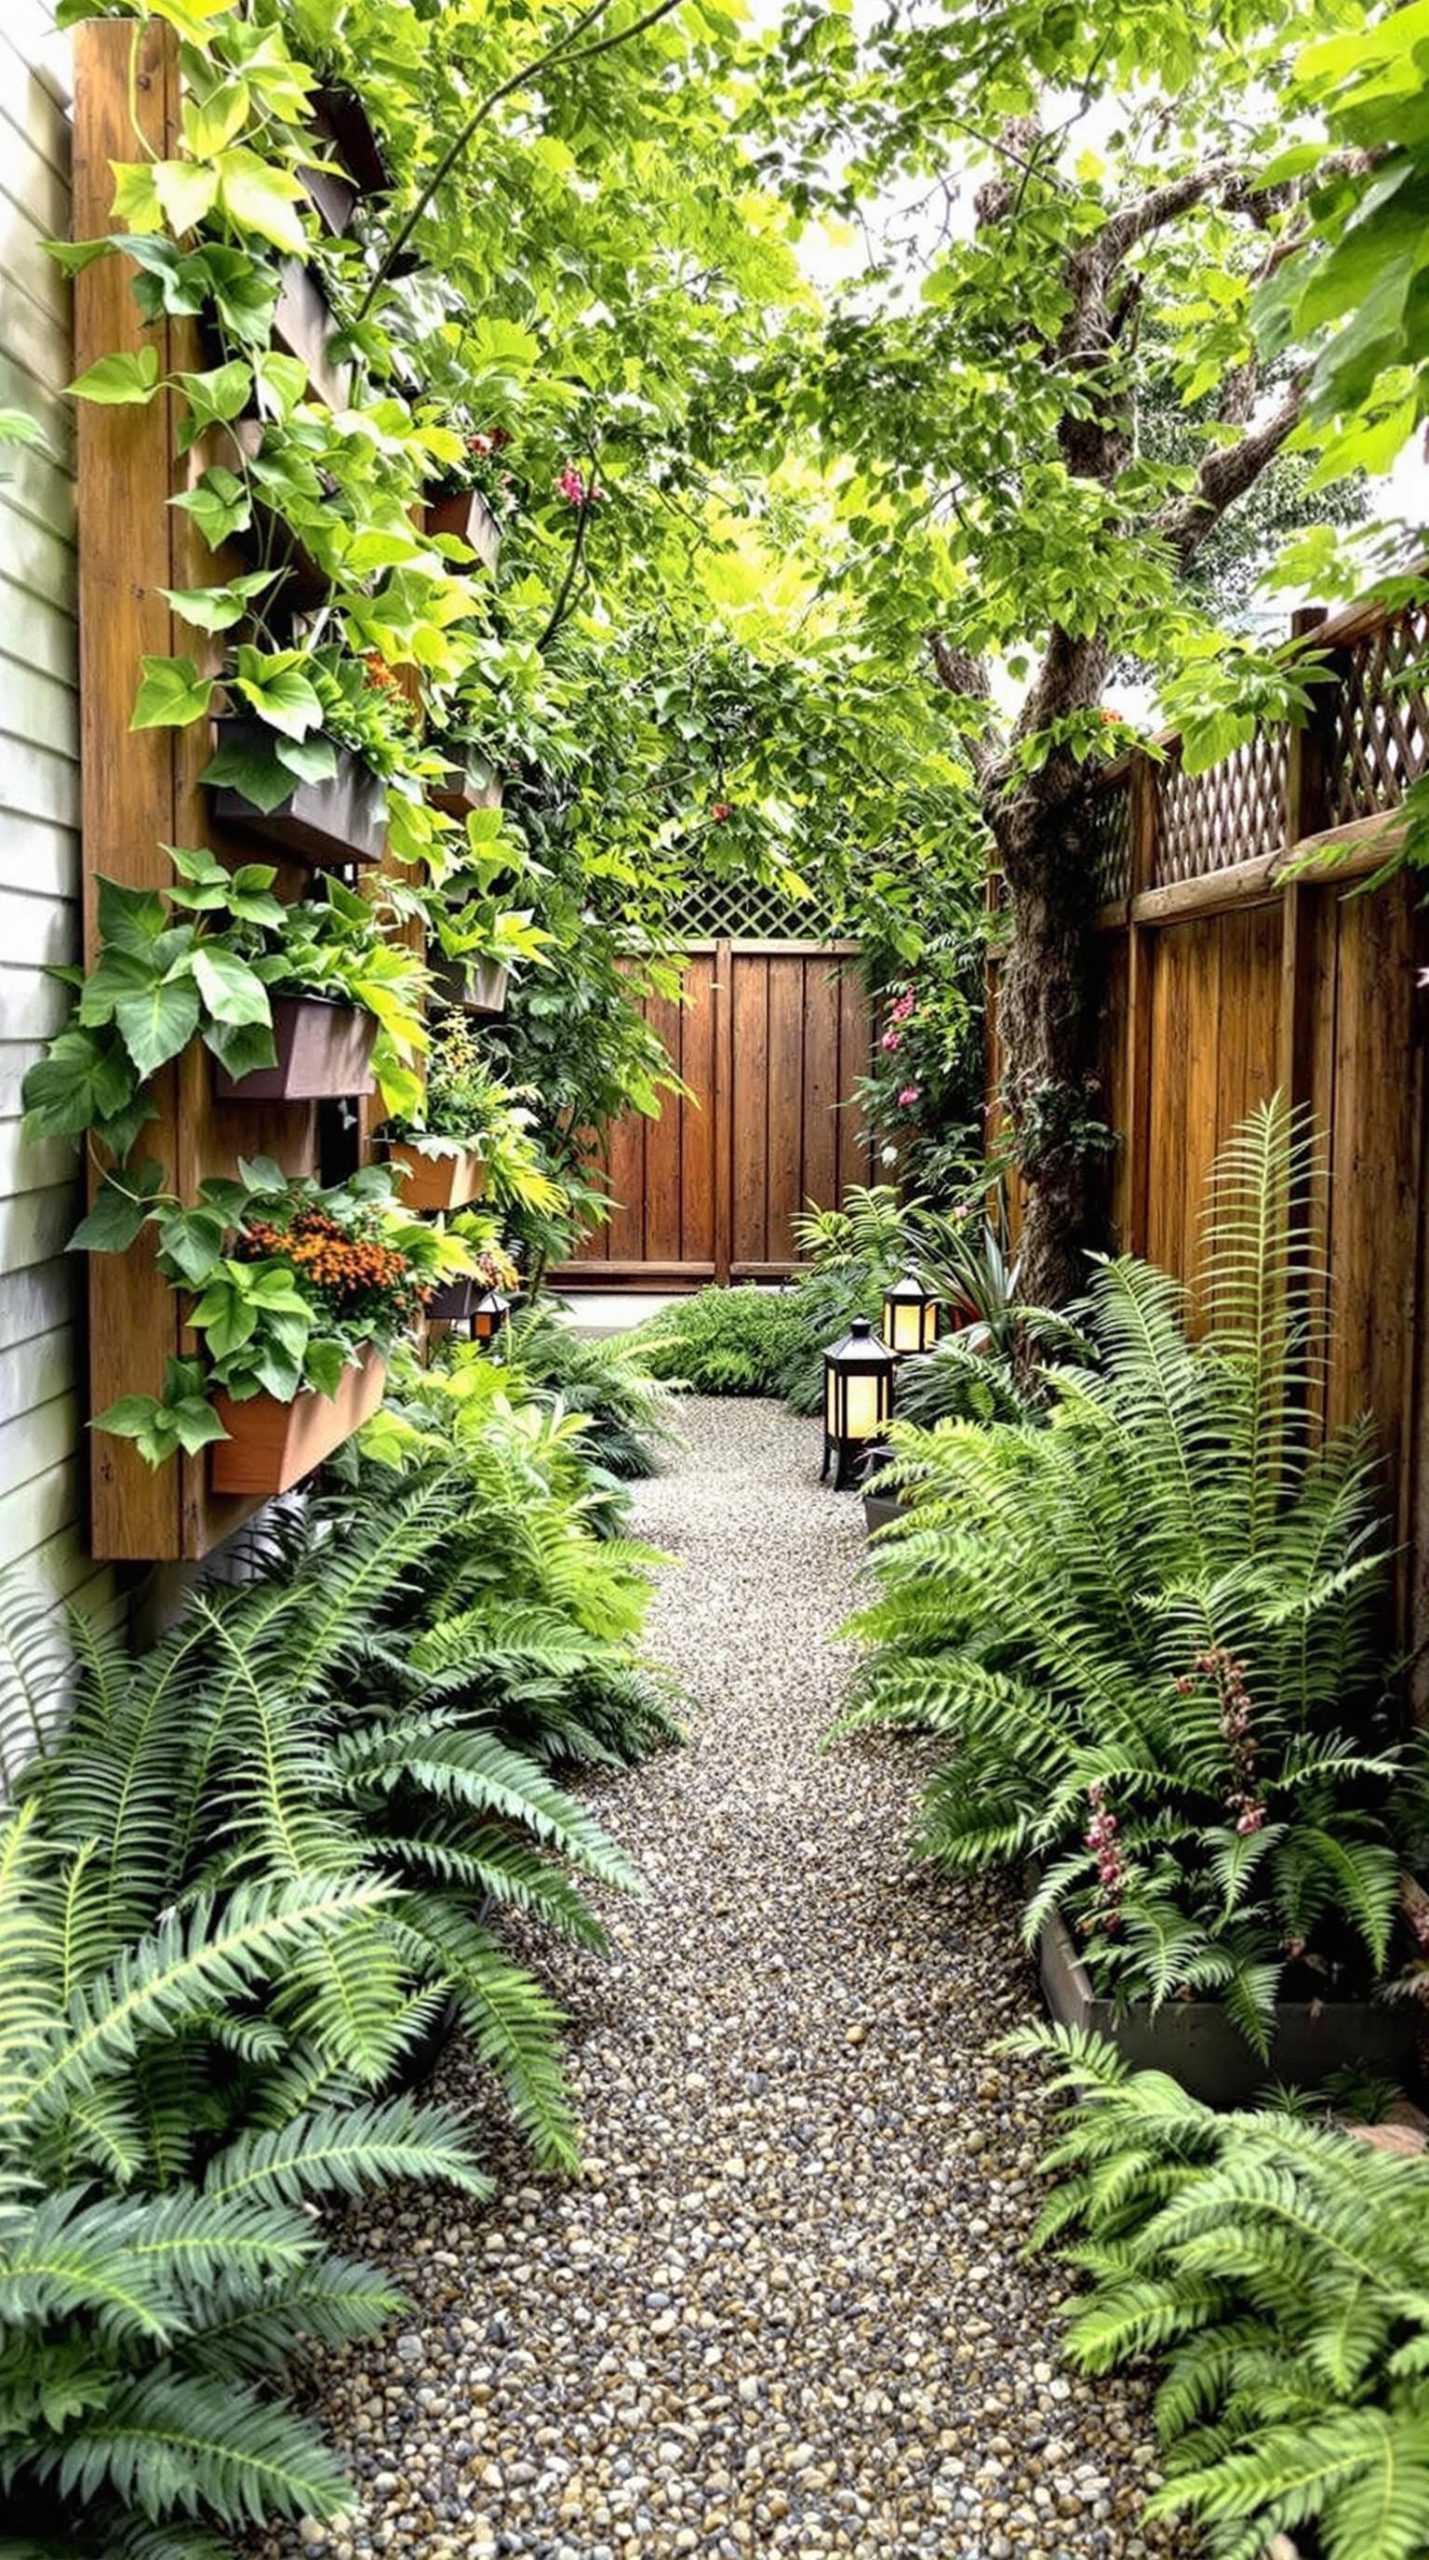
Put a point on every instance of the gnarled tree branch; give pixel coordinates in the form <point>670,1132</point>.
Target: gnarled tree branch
<point>1225,476</point>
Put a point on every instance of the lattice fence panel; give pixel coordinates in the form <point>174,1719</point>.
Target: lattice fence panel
<point>1379,738</point>
<point>1208,821</point>
<point>747,911</point>
<point>1110,829</point>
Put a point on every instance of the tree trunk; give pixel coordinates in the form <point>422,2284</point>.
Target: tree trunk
<point>1047,1025</point>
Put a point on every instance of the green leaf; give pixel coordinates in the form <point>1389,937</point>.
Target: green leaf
<point>260,198</point>
<point>159,1023</point>
<point>219,504</point>
<point>218,608</point>
<point>136,198</point>
<point>192,1240</point>
<point>120,381</point>
<point>172,694</point>
<point>217,396</point>
<point>309,759</point>
<point>119,1210</point>
<point>83,1078</point>
<point>282,382</point>
<point>277,690</point>
<point>250,767</point>
<point>228,985</point>
<point>324,1364</point>
<point>187,191</point>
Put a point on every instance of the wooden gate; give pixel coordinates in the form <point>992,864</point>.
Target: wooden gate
<point>771,1040</point>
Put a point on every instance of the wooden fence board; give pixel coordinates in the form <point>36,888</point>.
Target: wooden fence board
<point>770,1040</point>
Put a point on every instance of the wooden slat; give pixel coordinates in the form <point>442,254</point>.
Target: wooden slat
<point>722,999</point>
<point>697,1117</point>
<point>854,1049</point>
<point>749,1119</point>
<point>786,1105</point>
<point>662,1147</point>
<point>821,1084</point>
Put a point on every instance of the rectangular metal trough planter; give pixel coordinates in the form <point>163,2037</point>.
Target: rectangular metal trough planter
<point>476,986</point>
<point>329,825</point>
<point>465,788</point>
<point>324,1054</point>
<point>272,1446</point>
<point>1197,2043</point>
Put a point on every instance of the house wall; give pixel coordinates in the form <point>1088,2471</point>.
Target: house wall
<point>42,1407</point>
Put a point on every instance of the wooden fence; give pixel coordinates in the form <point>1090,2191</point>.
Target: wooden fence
<point>771,1040</point>
<point>1224,979</point>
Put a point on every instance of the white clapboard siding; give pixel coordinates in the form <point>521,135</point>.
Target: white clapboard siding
<point>43,1396</point>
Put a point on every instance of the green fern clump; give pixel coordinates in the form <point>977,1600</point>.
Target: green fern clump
<point>724,1342</point>
<point>957,1381</point>
<point>246,1872</point>
<point>628,1411</point>
<point>1278,2270</point>
<point>1150,1624</point>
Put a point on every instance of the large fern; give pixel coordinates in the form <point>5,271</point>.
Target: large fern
<point>1162,1603</point>
<point>1279,2271</point>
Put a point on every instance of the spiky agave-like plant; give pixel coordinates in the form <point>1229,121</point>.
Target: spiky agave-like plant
<point>1156,1620</point>
<point>1279,2270</point>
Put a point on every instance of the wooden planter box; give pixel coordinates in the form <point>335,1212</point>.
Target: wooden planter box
<point>477,986</point>
<point>272,1446</point>
<point>330,825</point>
<point>468,516</point>
<point>437,1181</point>
<point>324,1053</point>
<point>1197,2043</point>
<point>465,787</point>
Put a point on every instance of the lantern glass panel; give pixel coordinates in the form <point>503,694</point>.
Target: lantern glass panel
<point>866,1409</point>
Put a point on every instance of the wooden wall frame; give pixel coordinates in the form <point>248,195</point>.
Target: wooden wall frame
<point>141,790</point>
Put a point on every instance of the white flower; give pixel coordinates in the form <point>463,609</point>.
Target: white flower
<point>889,1155</point>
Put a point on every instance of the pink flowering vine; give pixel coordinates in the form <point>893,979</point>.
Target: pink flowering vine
<point>904,1005</point>
<point>910,1094</point>
<point>1227,1677</point>
<point>892,1039</point>
<point>720,810</point>
<point>1103,1838</point>
<point>572,486</point>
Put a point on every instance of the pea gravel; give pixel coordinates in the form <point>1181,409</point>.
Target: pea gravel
<point>785,2310</point>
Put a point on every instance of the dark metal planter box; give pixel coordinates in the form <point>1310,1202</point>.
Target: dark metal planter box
<point>880,1510</point>
<point>467,515</point>
<point>478,986</point>
<point>302,326</point>
<point>465,787</point>
<point>330,825</point>
<point>324,1053</point>
<point>1197,2043</point>
<point>344,131</point>
<point>453,1302</point>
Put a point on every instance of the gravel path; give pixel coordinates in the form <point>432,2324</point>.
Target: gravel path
<point>785,2312</point>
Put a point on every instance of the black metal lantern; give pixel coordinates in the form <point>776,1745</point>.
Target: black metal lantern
<point>490,1315</point>
<point>858,1398</point>
<point>912,1316</point>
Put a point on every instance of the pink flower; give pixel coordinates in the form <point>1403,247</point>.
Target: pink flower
<point>910,1094</point>
<point>571,485</point>
<point>891,1039</point>
<point>905,1004</point>
<point>721,809</point>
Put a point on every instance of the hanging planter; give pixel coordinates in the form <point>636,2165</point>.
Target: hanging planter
<point>344,131</point>
<point>477,986</point>
<point>441,1173</point>
<point>1197,2043</point>
<point>272,1446</point>
<point>454,1301</point>
<point>466,787</point>
<point>466,515</point>
<point>330,825</point>
<point>324,1054</point>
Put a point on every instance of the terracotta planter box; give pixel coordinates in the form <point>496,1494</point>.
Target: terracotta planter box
<point>272,1446</point>
<point>1198,2044</point>
<point>437,1182</point>
<point>324,1053</point>
<point>468,516</point>
<point>478,986</point>
<point>330,825</point>
<point>465,787</point>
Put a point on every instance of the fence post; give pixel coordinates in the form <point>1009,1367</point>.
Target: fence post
<point>1141,785</point>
